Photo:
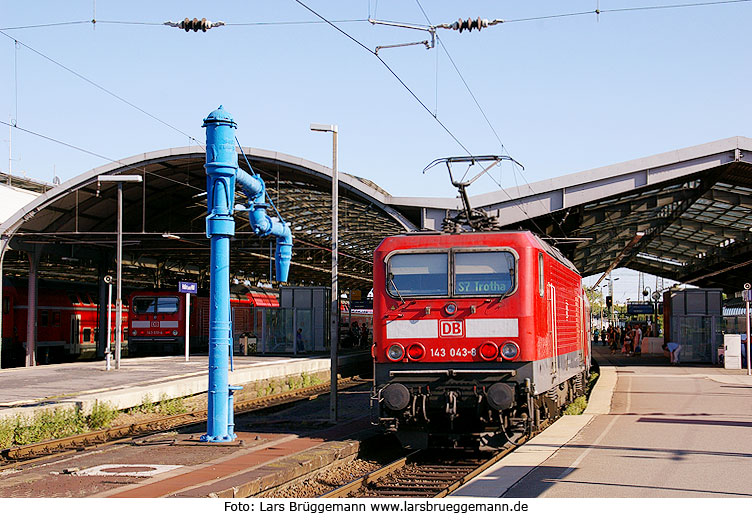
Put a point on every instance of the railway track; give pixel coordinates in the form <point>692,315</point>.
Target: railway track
<point>423,474</point>
<point>429,474</point>
<point>19,455</point>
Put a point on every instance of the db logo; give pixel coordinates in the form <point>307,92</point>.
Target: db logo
<point>155,324</point>
<point>450,328</point>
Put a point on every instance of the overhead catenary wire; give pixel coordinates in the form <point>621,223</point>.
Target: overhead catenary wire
<point>415,96</point>
<point>102,88</point>
<point>95,154</point>
<point>488,122</point>
<point>597,11</point>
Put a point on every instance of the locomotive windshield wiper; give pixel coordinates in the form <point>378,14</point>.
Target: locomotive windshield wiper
<point>508,291</point>
<point>391,280</point>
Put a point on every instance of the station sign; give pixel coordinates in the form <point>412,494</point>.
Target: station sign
<point>188,287</point>
<point>640,308</point>
<point>361,304</point>
<point>747,295</point>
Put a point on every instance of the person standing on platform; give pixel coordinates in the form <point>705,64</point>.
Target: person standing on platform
<point>627,341</point>
<point>595,335</point>
<point>364,335</point>
<point>637,340</point>
<point>354,335</point>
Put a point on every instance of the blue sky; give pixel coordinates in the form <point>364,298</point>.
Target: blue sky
<point>563,94</point>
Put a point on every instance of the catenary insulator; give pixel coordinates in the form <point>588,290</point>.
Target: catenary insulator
<point>194,25</point>
<point>469,24</point>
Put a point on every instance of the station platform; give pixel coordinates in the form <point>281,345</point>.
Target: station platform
<point>651,430</point>
<point>28,390</point>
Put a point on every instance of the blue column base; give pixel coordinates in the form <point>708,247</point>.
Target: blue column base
<point>225,438</point>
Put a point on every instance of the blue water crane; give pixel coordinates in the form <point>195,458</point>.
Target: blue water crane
<point>222,174</point>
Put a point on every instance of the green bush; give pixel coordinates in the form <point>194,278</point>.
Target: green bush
<point>7,432</point>
<point>577,407</point>
<point>171,406</point>
<point>147,405</point>
<point>48,425</point>
<point>102,415</point>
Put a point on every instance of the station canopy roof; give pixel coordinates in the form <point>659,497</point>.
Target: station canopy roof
<point>72,227</point>
<point>684,215</point>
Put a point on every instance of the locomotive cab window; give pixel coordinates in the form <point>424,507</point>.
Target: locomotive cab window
<point>167,305</point>
<point>144,305</point>
<point>418,274</point>
<point>484,273</point>
<point>158,305</point>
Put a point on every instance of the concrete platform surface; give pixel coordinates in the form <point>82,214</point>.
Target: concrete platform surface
<point>29,390</point>
<point>651,430</point>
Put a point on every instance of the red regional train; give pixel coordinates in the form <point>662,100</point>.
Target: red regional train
<point>157,319</point>
<point>67,327</point>
<point>476,336</point>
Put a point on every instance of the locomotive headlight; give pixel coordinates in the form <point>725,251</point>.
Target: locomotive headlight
<point>450,308</point>
<point>510,351</point>
<point>416,351</point>
<point>395,352</point>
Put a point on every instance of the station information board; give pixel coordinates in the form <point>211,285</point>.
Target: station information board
<point>640,308</point>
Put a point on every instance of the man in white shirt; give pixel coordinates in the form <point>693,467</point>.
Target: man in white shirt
<point>637,340</point>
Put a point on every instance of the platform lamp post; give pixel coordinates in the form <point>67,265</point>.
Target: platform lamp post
<point>107,347</point>
<point>334,318</point>
<point>747,296</point>
<point>611,281</point>
<point>120,179</point>
<point>603,304</point>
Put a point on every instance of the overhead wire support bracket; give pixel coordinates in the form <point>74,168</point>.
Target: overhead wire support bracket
<point>429,44</point>
<point>460,25</point>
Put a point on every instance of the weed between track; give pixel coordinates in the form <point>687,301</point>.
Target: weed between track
<point>579,404</point>
<point>21,430</point>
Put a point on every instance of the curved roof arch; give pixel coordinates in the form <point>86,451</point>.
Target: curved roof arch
<point>684,215</point>
<point>164,227</point>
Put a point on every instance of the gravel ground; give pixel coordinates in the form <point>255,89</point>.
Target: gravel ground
<point>325,481</point>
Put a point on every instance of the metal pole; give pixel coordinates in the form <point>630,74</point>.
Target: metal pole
<point>187,324</point>
<point>3,244</point>
<point>107,348</point>
<point>119,295</point>
<point>749,365</point>
<point>335,286</point>
<point>611,294</point>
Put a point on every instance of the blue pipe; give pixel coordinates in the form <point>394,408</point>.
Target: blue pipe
<point>221,175</point>
<point>263,225</point>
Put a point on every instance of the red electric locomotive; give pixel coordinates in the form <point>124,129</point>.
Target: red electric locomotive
<point>157,319</point>
<point>474,335</point>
